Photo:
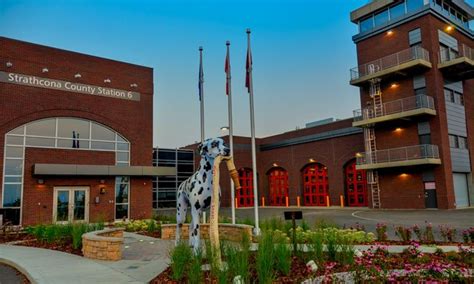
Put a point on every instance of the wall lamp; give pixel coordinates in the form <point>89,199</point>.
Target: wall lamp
<point>107,80</point>
<point>225,128</point>
<point>45,70</point>
<point>40,181</point>
<point>312,160</point>
<point>9,64</point>
<point>449,28</point>
<point>77,76</point>
<point>390,32</point>
<point>134,85</point>
<point>275,164</point>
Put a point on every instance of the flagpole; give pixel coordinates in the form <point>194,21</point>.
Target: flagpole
<point>201,99</point>
<point>252,131</point>
<point>231,128</point>
<point>201,93</point>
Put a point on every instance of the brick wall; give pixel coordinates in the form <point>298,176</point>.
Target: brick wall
<point>132,119</point>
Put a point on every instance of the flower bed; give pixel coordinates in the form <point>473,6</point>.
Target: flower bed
<point>149,227</point>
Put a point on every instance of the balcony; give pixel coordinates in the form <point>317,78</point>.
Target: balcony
<point>399,157</point>
<point>395,64</point>
<point>393,110</point>
<point>457,64</point>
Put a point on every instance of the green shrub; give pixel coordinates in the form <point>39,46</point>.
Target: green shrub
<point>195,274</point>
<point>77,231</point>
<point>238,261</point>
<point>265,259</point>
<point>345,254</point>
<point>332,245</point>
<point>180,257</point>
<point>282,258</point>
<point>315,246</point>
<point>151,226</point>
<point>324,224</point>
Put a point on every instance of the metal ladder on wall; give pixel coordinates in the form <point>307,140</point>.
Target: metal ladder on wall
<point>371,145</point>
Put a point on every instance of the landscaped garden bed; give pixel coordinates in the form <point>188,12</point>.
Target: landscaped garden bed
<point>334,256</point>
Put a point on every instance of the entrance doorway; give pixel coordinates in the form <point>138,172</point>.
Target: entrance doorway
<point>245,197</point>
<point>278,182</point>
<point>315,185</point>
<point>71,204</point>
<point>356,185</point>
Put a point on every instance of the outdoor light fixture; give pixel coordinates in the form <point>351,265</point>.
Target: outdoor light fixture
<point>134,85</point>
<point>398,129</point>
<point>449,28</point>
<point>9,64</point>
<point>390,32</point>
<point>102,181</point>
<point>394,85</point>
<point>275,165</point>
<point>107,80</point>
<point>404,175</point>
<point>312,160</point>
<point>102,190</point>
<point>225,128</point>
<point>40,181</point>
<point>77,76</point>
<point>45,70</point>
<point>358,155</point>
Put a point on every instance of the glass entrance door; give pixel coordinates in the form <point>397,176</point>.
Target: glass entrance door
<point>71,204</point>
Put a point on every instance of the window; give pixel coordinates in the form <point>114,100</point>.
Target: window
<point>397,11</point>
<point>366,25</point>
<point>458,98</point>
<point>381,18</point>
<point>449,95</point>
<point>453,141</point>
<point>453,97</point>
<point>462,142</point>
<point>425,139</point>
<point>413,5</point>
<point>61,132</point>
<point>420,91</point>
<point>121,197</point>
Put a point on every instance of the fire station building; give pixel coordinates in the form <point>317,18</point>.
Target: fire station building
<point>76,136</point>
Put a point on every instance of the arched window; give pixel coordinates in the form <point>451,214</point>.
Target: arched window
<point>278,185</point>
<point>315,184</point>
<point>245,196</point>
<point>61,133</point>
<point>356,185</point>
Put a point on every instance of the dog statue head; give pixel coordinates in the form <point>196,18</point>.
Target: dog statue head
<point>213,147</point>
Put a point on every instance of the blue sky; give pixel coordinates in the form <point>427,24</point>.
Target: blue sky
<point>302,53</point>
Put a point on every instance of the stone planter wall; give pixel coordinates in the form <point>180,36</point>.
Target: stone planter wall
<point>226,231</point>
<point>104,244</point>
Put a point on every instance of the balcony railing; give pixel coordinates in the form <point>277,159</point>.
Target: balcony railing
<point>394,107</point>
<point>447,54</point>
<point>393,60</point>
<point>410,153</point>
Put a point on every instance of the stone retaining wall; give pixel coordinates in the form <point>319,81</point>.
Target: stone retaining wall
<point>228,232</point>
<point>105,244</point>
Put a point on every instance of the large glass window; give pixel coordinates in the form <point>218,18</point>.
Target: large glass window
<point>122,185</point>
<point>413,5</point>
<point>381,18</point>
<point>397,11</point>
<point>63,132</point>
<point>366,25</point>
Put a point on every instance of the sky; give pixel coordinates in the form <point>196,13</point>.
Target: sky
<point>302,52</point>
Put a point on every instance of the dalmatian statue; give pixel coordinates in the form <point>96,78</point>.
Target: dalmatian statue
<point>196,191</point>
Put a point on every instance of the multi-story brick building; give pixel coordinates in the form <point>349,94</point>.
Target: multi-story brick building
<point>415,73</point>
<point>413,137</point>
<point>76,136</point>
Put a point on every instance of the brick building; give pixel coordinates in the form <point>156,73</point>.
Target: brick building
<point>70,147</point>
<point>412,139</point>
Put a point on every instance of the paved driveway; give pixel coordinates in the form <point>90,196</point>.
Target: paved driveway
<point>460,219</point>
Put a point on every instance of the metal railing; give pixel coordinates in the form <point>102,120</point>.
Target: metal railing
<point>397,106</point>
<point>447,54</point>
<point>412,53</point>
<point>425,151</point>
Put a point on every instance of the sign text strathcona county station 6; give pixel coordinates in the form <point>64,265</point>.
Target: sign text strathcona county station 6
<point>33,81</point>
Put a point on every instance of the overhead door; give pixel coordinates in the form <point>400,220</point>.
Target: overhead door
<point>461,190</point>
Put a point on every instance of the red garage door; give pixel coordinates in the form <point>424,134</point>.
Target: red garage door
<point>356,185</point>
<point>245,194</point>
<point>315,185</point>
<point>278,182</point>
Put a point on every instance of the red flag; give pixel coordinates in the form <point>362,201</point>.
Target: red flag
<point>227,71</point>
<point>248,68</point>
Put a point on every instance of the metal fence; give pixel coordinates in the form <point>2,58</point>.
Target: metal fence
<point>448,54</point>
<point>416,152</point>
<point>412,53</point>
<point>397,106</point>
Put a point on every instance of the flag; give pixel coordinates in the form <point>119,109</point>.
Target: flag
<point>248,68</point>
<point>201,76</point>
<point>227,72</point>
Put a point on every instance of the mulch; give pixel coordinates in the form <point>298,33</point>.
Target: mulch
<point>64,246</point>
<point>155,234</point>
<point>6,238</point>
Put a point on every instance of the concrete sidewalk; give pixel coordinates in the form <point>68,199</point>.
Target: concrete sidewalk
<point>143,259</point>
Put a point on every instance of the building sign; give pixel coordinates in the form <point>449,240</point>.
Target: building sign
<point>33,81</point>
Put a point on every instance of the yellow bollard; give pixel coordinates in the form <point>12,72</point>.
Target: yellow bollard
<point>327,201</point>
<point>287,202</point>
<point>341,197</point>
<point>298,201</point>
<point>236,203</point>
<point>263,201</point>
